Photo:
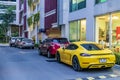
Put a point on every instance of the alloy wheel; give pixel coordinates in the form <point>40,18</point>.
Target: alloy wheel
<point>75,64</point>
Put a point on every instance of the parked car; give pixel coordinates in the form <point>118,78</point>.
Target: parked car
<point>49,46</point>
<point>12,41</point>
<point>82,55</point>
<point>26,43</point>
<point>18,40</point>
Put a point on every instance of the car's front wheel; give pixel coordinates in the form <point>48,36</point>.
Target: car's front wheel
<point>58,57</point>
<point>75,64</point>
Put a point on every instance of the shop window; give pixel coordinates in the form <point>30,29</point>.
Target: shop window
<point>103,26</point>
<point>77,31</point>
<point>99,1</point>
<point>83,30</point>
<point>73,33</point>
<point>77,4</point>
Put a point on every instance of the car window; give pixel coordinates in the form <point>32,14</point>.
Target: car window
<point>90,47</point>
<point>27,40</point>
<point>55,41</point>
<point>60,40</point>
<point>13,39</point>
<point>72,47</point>
<point>63,40</point>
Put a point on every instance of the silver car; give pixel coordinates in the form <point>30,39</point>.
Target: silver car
<point>12,41</point>
<point>26,43</point>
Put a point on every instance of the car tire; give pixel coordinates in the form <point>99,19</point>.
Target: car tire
<point>58,57</point>
<point>10,45</point>
<point>32,47</point>
<point>48,54</point>
<point>75,64</point>
<point>39,51</point>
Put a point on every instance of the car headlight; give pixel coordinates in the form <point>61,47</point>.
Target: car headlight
<point>85,54</point>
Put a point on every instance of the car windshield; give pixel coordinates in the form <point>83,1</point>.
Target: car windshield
<point>27,40</point>
<point>60,40</point>
<point>90,47</point>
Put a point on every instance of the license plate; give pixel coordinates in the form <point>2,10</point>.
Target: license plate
<point>103,60</point>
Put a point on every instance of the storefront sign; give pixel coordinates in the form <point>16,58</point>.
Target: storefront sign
<point>118,33</point>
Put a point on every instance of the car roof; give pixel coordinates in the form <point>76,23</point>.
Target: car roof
<point>84,42</point>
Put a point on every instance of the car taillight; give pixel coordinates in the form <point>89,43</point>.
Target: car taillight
<point>85,54</point>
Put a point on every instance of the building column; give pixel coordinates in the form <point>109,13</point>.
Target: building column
<point>110,31</point>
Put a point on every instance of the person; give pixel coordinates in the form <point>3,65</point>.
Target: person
<point>102,42</point>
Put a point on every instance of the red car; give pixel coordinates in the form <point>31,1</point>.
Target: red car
<point>49,46</point>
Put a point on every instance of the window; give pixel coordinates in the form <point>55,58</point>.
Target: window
<point>73,33</point>
<point>72,47</point>
<point>77,4</point>
<point>77,31</point>
<point>99,1</point>
<point>81,4</point>
<point>90,47</point>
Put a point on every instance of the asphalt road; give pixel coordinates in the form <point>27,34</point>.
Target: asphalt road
<point>26,64</point>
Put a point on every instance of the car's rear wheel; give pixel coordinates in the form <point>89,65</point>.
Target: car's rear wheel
<point>75,64</point>
<point>48,54</point>
<point>58,57</point>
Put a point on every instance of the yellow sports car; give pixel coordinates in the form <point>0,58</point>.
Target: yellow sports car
<point>81,55</point>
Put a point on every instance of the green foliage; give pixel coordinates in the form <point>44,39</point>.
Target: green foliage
<point>117,55</point>
<point>36,45</point>
<point>29,3</point>
<point>15,34</point>
<point>36,17</point>
<point>29,20</point>
<point>7,18</point>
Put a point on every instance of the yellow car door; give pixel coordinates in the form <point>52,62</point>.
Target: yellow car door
<point>68,52</point>
<point>67,56</point>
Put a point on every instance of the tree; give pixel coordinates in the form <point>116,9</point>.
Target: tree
<point>7,18</point>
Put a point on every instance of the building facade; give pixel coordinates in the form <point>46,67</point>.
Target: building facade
<point>90,20</point>
<point>77,20</point>
<point>51,18</point>
<point>22,10</point>
<point>33,19</point>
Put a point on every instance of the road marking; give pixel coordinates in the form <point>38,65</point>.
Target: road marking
<point>97,77</point>
<point>102,77</point>
<point>112,75</point>
<point>79,79</point>
<point>90,78</point>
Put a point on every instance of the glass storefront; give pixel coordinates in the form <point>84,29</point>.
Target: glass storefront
<point>77,30</point>
<point>106,24</point>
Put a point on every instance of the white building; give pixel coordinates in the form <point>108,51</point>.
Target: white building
<point>33,11</point>
<point>90,20</point>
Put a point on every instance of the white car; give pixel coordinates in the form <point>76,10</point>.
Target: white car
<point>26,43</point>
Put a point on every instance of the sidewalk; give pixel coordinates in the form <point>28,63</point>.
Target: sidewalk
<point>2,44</point>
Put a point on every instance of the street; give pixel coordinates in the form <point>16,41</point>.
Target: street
<point>26,64</point>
